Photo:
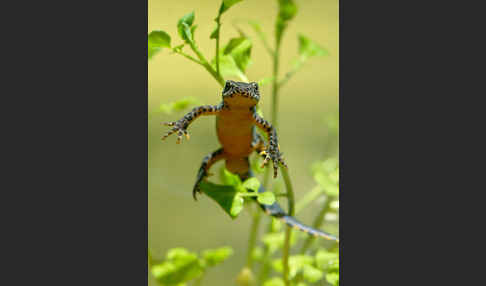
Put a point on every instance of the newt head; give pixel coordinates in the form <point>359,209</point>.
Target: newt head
<point>240,94</point>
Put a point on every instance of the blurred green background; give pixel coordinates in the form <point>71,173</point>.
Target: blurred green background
<point>174,218</point>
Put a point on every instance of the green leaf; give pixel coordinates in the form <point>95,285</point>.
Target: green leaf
<point>214,257</point>
<point>245,277</point>
<point>226,196</point>
<point>275,281</point>
<point>252,184</point>
<point>309,48</point>
<point>257,28</point>
<point>332,275</point>
<point>229,178</point>
<point>179,105</point>
<point>257,253</point>
<point>156,41</point>
<point>234,58</point>
<point>240,50</point>
<point>333,278</point>
<point>286,12</point>
<point>193,29</point>
<point>232,44</point>
<point>275,241</point>
<point>181,266</point>
<point>323,257</point>
<point>266,198</point>
<point>229,68</point>
<point>187,34</point>
<point>226,5</point>
<point>237,206</point>
<point>256,163</point>
<point>184,26</point>
<point>312,274</point>
<point>297,263</point>
<point>265,80</point>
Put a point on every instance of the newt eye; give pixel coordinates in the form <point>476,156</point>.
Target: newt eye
<point>255,85</point>
<point>227,86</point>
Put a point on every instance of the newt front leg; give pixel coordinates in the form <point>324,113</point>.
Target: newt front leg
<point>273,150</point>
<point>180,126</point>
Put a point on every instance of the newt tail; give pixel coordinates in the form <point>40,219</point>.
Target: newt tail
<point>275,210</point>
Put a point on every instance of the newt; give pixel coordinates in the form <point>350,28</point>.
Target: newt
<point>236,122</point>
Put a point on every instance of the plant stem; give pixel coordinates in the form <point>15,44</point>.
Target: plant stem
<point>218,26</point>
<point>275,88</point>
<point>289,74</point>
<point>266,251</point>
<point>285,257</point>
<point>253,237</point>
<point>317,224</point>
<point>188,57</point>
<point>288,231</point>
<point>206,64</point>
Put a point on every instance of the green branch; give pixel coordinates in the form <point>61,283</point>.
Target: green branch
<point>218,27</point>
<point>253,238</point>
<point>206,64</point>
<point>317,224</point>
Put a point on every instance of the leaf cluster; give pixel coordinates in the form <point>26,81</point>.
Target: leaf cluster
<point>181,265</point>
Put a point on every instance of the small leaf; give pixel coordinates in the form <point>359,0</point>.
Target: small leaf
<point>187,34</point>
<point>237,206</point>
<point>332,275</point>
<point>181,266</point>
<point>275,281</point>
<point>240,50</point>
<point>265,80</point>
<point>266,198</point>
<point>193,29</point>
<point>256,163</point>
<point>312,274</point>
<point>234,58</point>
<point>333,278</point>
<point>309,48</point>
<point>229,178</point>
<point>275,241</point>
<point>229,68</point>
<point>214,257</point>
<point>185,23</point>
<point>225,196</point>
<point>287,11</point>
<point>257,253</point>
<point>156,41</point>
<point>232,44</point>
<point>257,27</point>
<point>178,48</point>
<point>245,277</point>
<point>323,257</point>
<point>252,184</point>
<point>297,263</point>
<point>227,4</point>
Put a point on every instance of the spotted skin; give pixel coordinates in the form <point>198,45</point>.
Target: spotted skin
<point>180,126</point>
<point>236,120</point>
<point>273,151</point>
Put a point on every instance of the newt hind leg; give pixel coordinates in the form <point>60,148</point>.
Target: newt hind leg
<point>207,162</point>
